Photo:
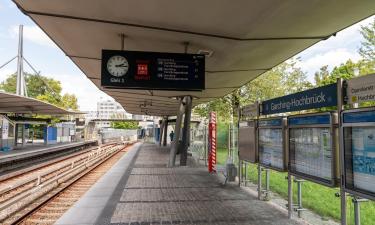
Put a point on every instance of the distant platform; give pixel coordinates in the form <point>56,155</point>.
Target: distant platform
<point>140,189</point>
<point>35,150</point>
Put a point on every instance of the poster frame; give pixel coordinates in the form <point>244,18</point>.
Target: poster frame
<point>240,145</point>
<point>355,191</point>
<point>284,149</point>
<point>334,131</point>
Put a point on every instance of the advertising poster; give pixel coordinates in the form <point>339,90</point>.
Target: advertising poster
<point>363,149</point>
<point>5,129</point>
<point>271,147</point>
<point>312,151</point>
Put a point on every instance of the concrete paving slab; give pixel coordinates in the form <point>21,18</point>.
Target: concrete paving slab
<point>150,193</point>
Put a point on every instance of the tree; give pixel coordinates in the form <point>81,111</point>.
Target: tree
<point>42,88</point>
<point>69,101</point>
<point>132,125</point>
<point>283,79</point>
<point>367,49</point>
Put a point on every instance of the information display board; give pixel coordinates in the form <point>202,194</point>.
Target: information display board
<point>153,70</point>
<point>359,152</point>
<point>313,147</point>
<point>247,144</point>
<point>271,145</point>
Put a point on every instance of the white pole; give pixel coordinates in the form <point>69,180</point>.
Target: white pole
<point>20,89</point>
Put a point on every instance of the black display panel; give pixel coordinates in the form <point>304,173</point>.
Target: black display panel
<point>153,70</point>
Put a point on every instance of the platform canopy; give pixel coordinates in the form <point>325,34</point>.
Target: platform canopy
<point>12,103</point>
<point>244,38</point>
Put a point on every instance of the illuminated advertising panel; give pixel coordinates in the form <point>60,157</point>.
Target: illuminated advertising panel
<point>359,152</point>
<point>312,148</point>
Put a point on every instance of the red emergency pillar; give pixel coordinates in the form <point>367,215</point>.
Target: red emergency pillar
<point>212,143</point>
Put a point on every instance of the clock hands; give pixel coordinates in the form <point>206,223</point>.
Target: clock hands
<point>121,65</point>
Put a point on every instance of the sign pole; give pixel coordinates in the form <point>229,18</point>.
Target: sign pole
<point>340,106</point>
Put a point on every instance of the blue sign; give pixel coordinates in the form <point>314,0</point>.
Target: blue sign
<point>270,122</point>
<point>359,117</point>
<point>309,120</point>
<point>311,99</point>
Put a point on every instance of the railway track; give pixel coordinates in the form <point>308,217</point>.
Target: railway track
<point>45,197</point>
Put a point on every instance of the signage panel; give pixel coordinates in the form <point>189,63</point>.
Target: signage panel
<point>324,96</point>
<point>312,148</point>
<point>359,152</point>
<point>361,89</point>
<point>310,120</point>
<point>270,122</point>
<point>247,149</point>
<point>152,70</point>
<point>250,110</point>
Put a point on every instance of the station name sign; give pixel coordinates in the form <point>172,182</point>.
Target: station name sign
<point>152,70</point>
<point>361,89</point>
<point>324,96</point>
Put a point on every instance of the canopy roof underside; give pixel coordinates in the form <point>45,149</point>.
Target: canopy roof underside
<point>247,37</point>
<point>12,103</point>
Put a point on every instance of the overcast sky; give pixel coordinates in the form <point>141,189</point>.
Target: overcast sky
<point>46,57</point>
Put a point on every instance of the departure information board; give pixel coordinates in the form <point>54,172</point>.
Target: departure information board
<point>270,144</point>
<point>359,147</point>
<point>153,70</point>
<point>311,151</point>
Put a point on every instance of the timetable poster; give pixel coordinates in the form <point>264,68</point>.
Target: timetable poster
<point>271,147</point>
<point>312,152</point>
<point>363,147</point>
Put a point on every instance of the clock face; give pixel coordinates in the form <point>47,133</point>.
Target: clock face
<point>117,66</point>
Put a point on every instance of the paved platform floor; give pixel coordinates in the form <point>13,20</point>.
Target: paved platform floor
<point>143,191</point>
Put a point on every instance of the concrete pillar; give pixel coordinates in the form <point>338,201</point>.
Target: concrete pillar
<point>186,132</point>
<point>161,132</point>
<point>23,135</point>
<point>174,144</point>
<point>165,134</point>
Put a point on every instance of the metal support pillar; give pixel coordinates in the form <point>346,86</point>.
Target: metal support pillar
<point>23,135</point>
<point>176,138</point>
<point>20,86</point>
<point>290,196</point>
<point>186,131</point>
<point>357,209</point>
<point>340,107</point>
<point>259,182</point>
<point>239,172</point>
<point>165,134</point>
<point>245,171</point>
<point>161,132</point>
<point>267,191</point>
<point>298,207</point>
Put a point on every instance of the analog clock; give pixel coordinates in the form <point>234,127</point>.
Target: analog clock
<point>117,66</point>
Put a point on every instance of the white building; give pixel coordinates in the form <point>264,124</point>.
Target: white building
<point>107,109</point>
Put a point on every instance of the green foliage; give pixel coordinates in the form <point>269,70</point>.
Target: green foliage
<point>42,88</point>
<point>132,125</point>
<point>367,49</point>
<point>284,79</point>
